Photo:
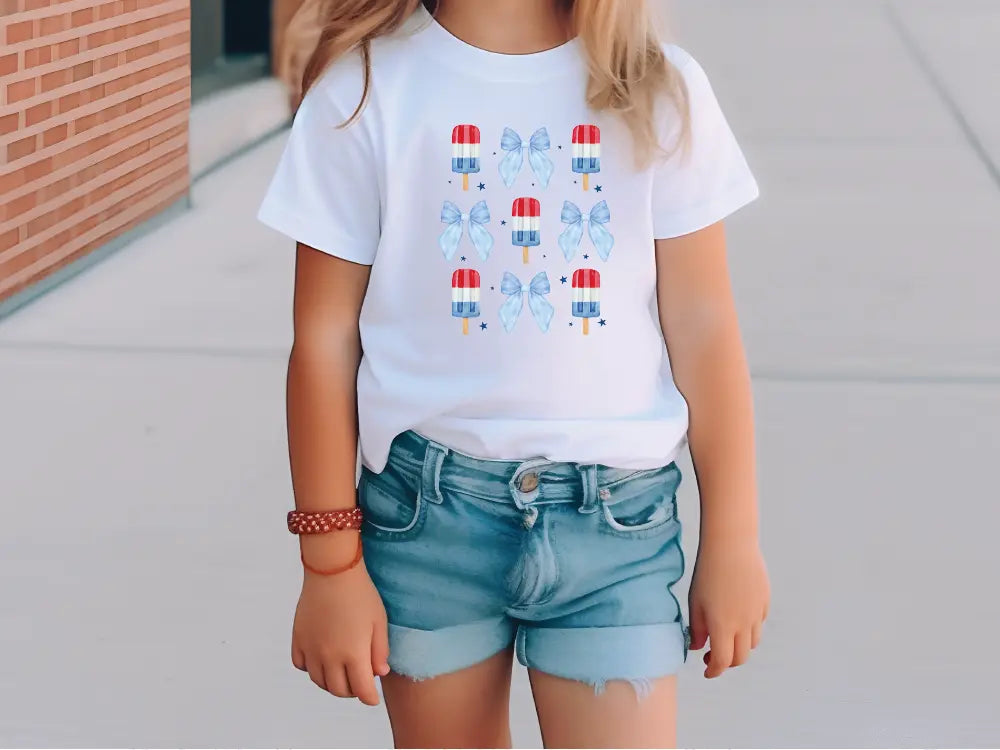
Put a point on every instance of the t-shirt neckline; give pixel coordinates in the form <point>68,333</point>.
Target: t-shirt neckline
<point>437,41</point>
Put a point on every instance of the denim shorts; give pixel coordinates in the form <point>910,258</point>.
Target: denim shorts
<point>573,563</point>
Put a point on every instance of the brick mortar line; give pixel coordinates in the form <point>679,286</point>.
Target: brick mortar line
<point>80,216</point>
<point>99,156</point>
<point>88,255</point>
<point>96,182</point>
<point>96,53</point>
<point>76,32</point>
<point>170,100</point>
<point>107,76</point>
<point>105,102</point>
<point>115,222</point>
<point>65,7</point>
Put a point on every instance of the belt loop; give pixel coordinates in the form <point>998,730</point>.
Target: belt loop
<point>588,474</point>
<point>430,477</point>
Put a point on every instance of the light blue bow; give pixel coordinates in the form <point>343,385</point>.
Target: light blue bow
<point>541,308</point>
<point>480,236</point>
<point>511,163</point>
<point>600,215</point>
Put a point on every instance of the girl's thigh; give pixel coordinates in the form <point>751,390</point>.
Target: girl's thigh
<point>466,708</point>
<point>572,715</point>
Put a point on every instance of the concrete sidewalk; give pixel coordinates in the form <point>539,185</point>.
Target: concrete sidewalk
<point>141,405</point>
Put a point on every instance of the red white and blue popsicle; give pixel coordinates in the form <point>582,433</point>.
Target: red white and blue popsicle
<point>465,152</point>
<point>586,296</point>
<point>586,151</point>
<point>526,218</point>
<point>465,296</point>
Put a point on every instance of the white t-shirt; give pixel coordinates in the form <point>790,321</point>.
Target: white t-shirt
<point>511,311</point>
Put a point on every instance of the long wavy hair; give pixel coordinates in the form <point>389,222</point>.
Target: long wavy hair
<point>628,70</point>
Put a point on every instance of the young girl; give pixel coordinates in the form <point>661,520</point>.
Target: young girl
<point>503,208</point>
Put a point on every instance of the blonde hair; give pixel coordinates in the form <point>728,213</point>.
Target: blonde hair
<point>627,66</point>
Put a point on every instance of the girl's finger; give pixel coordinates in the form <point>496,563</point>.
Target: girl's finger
<point>298,658</point>
<point>315,669</point>
<point>362,682</point>
<point>741,647</point>
<point>721,654</point>
<point>698,628</point>
<point>755,635</point>
<point>380,648</point>
<point>336,680</point>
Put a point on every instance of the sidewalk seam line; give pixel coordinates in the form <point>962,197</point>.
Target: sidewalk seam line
<point>230,353</point>
<point>761,376</point>
<point>918,56</point>
<point>246,148</point>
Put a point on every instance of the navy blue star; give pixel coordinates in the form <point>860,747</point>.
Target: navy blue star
<point>449,182</point>
<point>545,256</point>
<point>571,322</point>
<point>559,147</point>
<point>503,222</point>
<point>574,182</point>
<point>585,256</point>
<point>491,289</point>
<point>463,258</point>
<point>494,153</point>
<point>481,186</point>
<point>562,279</point>
<point>597,188</point>
<point>482,326</point>
<point>602,322</point>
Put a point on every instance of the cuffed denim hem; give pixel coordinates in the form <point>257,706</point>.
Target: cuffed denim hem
<point>422,654</point>
<point>634,653</point>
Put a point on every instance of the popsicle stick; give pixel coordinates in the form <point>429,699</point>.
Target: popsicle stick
<point>465,180</point>
<point>465,326</point>
<point>525,254</point>
<point>586,186</point>
<point>586,326</point>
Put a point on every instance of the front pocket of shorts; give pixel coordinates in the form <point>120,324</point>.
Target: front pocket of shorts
<point>649,512</point>
<point>391,510</point>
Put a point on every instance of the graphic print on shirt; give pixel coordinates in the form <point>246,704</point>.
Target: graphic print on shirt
<point>541,309</point>
<point>599,216</point>
<point>465,152</point>
<point>465,296</point>
<point>513,159</point>
<point>476,219</point>
<point>586,152</point>
<point>526,219</point>
<point>586,296</point>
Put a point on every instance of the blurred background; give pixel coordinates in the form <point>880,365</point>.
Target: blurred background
<point>146,582</point>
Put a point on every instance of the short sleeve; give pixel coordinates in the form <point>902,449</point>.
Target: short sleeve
<point>711,180</point>
<point>324,192</point>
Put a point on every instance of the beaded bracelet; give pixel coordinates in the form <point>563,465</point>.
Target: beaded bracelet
<point>301,522</point>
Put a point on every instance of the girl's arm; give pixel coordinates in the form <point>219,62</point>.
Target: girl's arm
<point>322,395</point>
<point>729,590</point>
<point>339,636</point>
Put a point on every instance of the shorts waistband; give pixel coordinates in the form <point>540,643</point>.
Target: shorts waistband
<point>526,483</point>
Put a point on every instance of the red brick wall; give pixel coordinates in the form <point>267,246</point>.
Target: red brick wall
<point>94,104</point>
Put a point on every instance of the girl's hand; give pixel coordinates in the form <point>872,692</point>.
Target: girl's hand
<point>728,601</point>
<point>340,636</point>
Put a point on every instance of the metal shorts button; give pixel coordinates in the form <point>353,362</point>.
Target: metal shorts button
<point>528,483</point>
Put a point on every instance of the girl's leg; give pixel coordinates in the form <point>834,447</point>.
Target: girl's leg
<point>467,708</point>
<point>571,715</point>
